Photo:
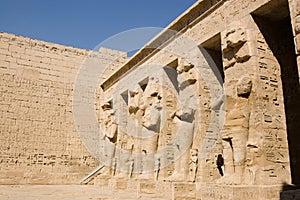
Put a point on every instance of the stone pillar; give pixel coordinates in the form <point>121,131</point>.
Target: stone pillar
<point>294,6</point>
<point>255,147</point>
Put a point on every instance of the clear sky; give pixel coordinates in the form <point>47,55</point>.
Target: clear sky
<point>85,23</point>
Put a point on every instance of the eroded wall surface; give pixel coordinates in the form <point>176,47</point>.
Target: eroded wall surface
<point>161,119</point>
<point>252,45</point>
<point>39,141</point>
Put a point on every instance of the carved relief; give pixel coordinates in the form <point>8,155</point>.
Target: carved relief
<point>193,164</point>
<point>267,155</point>
<point>236,49</point>
<point>254,145</point>
<point>110,128</point>
<point>151,121</point>
<point>157,119</point>
<point>185,119</point>
<point>110,132</point>
<point>235,134</point>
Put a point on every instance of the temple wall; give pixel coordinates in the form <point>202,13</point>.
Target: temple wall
<point>252,45</point>
<point>295,17</point>
<point>39,142</point>
<point>211,114</point>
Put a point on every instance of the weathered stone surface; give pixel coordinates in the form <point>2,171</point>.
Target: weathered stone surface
<point>247,149</point>
<point>194,123</point>
<point>39,142</point>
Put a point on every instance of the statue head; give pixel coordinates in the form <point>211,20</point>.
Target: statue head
<point>152,117</point>
<point>244,87</point>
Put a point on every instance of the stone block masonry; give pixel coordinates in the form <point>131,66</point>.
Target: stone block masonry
<point>254,152</point>
<point>173,127</point>
<point>39,142</point>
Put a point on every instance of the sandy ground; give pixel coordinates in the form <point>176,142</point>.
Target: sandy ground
<point>59,192</point>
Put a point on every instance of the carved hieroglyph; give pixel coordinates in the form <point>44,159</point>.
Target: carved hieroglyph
<point>237,53</point>
<point>249,133</point>
<point>168,128</point>
<point>161,129</point>
<point>235,134</point>
<point>185,118</point>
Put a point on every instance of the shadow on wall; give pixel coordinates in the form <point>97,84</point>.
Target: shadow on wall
<point>290,192</point>
<point>277,31</point>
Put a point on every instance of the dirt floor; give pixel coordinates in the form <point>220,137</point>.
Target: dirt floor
<point>60,192</point>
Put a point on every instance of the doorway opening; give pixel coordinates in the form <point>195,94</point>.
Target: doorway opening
<point>213,55</point>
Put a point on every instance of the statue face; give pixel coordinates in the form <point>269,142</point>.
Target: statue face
<point>187,78</point>
<point>152,114</point>
<point>110,127</point>
<point>151,118</point>
<point>244,87</point>
<point>133,103</point>
<point>254,153</point>
<point>235,37</point>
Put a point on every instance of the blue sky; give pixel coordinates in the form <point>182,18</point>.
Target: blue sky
<point>85,23</point>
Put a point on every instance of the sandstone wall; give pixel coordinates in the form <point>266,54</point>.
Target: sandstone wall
<point>39,142</point>
<point>252,44</point>
<point>295,17</point>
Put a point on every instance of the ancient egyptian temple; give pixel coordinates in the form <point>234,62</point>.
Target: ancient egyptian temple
<point>208,109</point>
